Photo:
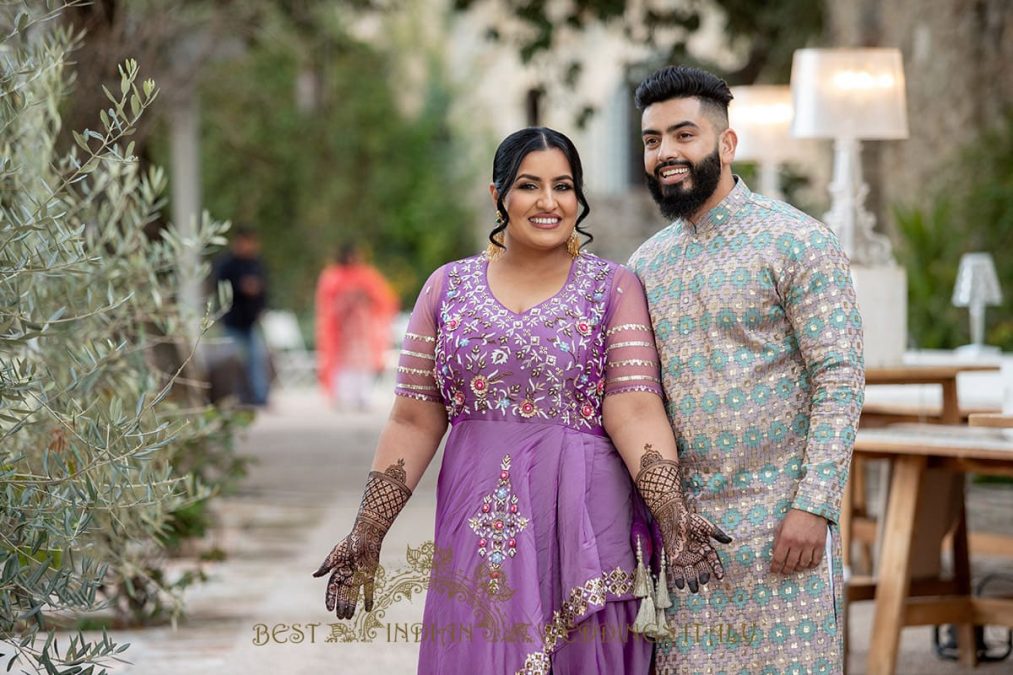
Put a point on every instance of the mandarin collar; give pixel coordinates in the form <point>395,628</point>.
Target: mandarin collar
<point>738,197</point>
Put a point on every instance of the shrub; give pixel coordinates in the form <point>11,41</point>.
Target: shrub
<point>88,428</point>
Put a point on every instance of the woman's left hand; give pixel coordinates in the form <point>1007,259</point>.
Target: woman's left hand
<point>692,558</point>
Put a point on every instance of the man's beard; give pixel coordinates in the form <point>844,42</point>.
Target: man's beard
<point>676,201</point>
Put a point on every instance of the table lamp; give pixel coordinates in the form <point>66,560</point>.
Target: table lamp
<point>761,115</point>
<point>850,95</point>
<point>977,286</point>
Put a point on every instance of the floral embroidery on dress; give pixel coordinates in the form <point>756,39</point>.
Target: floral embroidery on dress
<point>494,362</point>
<point>497,525</point>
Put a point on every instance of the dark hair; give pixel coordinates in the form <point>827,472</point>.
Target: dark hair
<point>347,252</point>
<point>244,232</point>
<point>507,162</point>
<point>686,82</point>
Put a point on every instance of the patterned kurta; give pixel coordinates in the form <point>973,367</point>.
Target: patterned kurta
<point>760,342</point>
<point>534,506</point>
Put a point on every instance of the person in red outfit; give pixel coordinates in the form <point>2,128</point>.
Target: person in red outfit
<point>354,306</point>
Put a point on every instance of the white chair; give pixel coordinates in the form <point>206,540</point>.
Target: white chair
<point>296,366</point>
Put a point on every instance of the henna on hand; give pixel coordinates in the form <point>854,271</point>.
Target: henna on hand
<point>354,560</point>
<point>686,535</point>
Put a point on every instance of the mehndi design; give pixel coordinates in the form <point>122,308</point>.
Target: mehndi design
<point>686,535</point>
<point>353,561</point>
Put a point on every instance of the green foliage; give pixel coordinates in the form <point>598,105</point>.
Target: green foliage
<point>974,212</point>
<point>211,460</point>
<point>930,254</point>
<point>346,165</point>
<point>767,33</point>
<point>89,425</point>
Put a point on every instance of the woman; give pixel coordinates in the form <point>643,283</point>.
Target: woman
<point>534,351</point>
<point>355,306</point>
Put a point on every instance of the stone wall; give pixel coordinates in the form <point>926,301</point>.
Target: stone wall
<point>957,56</point>
<point>621,223</point>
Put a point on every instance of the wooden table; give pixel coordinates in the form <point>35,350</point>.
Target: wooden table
<point>945,376</point>
<point>861,526</point>
<point>994,420</point>
<point>913,450</point>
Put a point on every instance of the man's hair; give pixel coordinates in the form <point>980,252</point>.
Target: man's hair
<point>244,232</point>
<point>686,82</point>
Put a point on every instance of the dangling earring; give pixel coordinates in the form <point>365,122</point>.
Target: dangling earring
<point>573,244</point>
<point>492,251</point>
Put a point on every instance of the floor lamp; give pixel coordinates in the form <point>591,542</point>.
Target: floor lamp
<point>850,96</point>
<point>761,116</point>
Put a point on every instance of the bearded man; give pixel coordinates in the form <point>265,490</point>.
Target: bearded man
<point>760,341</point>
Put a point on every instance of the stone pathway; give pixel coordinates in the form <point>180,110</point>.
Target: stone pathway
<point>262,612</point>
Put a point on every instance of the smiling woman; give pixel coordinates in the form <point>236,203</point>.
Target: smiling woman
<point>535,503</point>
<point>541,204</point>
<point>533,160</point>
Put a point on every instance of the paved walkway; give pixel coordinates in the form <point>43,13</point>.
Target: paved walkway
<point>299,498</point>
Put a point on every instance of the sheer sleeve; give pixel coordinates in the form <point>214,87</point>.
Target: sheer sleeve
<point>631,358</point>
<point>415,369</point>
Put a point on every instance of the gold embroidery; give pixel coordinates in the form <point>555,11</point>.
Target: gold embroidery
<point>593,593</point>
<point>634,343</point>
<point>420,338</point>
<point>417,387</point>
<point>627,326</point>
<point>417,397</point>
<point>634,378</point>
<point>414,371</point>
<point>418,355</point>
<point>632,362</point>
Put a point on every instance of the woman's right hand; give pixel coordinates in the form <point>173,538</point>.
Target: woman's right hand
<point>353,560</point>
<point>352,563</point>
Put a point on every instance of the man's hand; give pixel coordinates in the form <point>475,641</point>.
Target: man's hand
<point>799,542</point>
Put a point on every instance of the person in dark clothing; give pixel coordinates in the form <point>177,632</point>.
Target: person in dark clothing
<point>243,270</point>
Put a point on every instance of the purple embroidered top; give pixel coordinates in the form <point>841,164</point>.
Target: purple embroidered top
<point>554,362</point>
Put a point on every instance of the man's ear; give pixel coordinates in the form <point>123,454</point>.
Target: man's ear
<point>727,143</point>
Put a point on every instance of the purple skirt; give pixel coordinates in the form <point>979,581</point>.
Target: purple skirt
<point>533,571</point>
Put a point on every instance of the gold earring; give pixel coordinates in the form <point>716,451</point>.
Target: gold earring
<point>492,251</point>
<point>573,244</point>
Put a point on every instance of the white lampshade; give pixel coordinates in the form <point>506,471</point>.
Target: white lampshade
<point>849,93</point>
<point>976,281</point>
<point>761,117</point>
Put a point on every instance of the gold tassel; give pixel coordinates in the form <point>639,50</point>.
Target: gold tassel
<point>640,581</point>
<point>662,601</point>
<point>646,616</point>
<point>661,630</point>
<point>661,598</point>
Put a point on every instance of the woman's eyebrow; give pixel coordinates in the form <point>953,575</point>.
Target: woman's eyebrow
<point>538,179</point>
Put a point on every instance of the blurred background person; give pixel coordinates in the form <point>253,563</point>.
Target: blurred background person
<point>242,268</point>
<point>354,308</point>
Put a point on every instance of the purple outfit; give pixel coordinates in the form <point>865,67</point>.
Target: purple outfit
<point>533,568</point>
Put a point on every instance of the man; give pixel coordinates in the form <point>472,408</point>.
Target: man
<point>242,269</point>
<point>760,342</point>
